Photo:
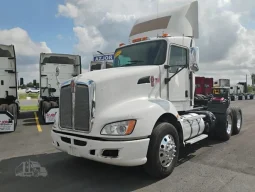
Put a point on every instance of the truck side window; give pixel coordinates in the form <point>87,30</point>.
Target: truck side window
<point>2,82</point>
<point>178,58</point>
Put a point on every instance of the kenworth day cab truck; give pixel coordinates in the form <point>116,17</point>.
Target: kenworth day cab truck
<point>140,111</point>
<point>9,104</point>
<point>54,69</point>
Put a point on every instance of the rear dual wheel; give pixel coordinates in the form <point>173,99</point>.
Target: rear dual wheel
<point>229,123</point>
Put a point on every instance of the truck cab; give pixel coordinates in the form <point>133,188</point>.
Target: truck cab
<point>54,69</point>
<point>141,111</point>
<point>9,104</point>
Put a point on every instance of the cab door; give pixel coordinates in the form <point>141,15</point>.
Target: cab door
<point>179,88</point>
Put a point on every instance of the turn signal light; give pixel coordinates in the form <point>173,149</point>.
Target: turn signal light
<point>165,35</point>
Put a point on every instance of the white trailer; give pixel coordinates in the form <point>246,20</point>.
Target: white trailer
<point>9,104</point>
<point>141,111</point>
<point>54,70</point>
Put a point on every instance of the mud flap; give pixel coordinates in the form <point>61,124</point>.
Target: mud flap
<point>6,122</point>
<point>50,115</point>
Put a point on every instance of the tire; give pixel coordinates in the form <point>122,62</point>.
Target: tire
<point>153,165</point>
<point>53,104</point>
<point>224,125</point>
<point>238,120</point>
<point>4,107</point>
<point>46,107</point>
<point>13,109</point>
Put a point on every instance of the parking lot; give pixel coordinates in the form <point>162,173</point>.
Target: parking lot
<point>205,166</point>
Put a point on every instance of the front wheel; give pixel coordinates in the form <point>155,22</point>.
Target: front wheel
<point>163,151</point>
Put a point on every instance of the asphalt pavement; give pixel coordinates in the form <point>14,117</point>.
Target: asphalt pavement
<point>209,166</point>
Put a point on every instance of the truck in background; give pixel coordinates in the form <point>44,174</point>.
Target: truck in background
<point>9,103</point>
<point>101,61</point>
<point>54,69</point>
<point>208,86</point>
<point>98,65</point>
<point>244,91</point>
<point>141,111</point>
<point>222,83</point>
<point>203,90</point>
<point>234,89</point>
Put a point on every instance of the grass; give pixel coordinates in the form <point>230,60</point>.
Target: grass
<point>25,95</point>
<point>28,108</point>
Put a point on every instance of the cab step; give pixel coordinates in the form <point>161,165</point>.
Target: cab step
<point>196,139</point>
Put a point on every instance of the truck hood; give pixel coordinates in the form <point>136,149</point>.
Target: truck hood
<point>118,85</point>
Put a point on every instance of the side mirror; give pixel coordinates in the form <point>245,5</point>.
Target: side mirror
<point>194,59</point>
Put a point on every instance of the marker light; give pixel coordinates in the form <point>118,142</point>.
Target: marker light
<point>140,39</point>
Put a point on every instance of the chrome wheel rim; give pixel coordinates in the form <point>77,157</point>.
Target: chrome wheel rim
<point>229,124</point>
<point>167,151</point>
<point>238,120</point>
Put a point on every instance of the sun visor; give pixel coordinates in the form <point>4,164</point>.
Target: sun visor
<point>176,22</point>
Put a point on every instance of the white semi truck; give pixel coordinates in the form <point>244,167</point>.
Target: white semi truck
<point>222,83</point>
<point>54,69</point>
<point>9,104</point>
<point>140,111</point>
<point>98,65</point>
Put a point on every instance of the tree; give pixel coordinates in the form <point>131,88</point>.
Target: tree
<point>250,89</point>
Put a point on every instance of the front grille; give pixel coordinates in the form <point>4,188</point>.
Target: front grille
<point>65,107</point>
<point>81,111</point>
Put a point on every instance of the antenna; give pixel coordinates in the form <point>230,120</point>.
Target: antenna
<point>157,14</point>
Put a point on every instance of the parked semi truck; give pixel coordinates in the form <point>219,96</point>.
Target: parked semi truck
<point>54,69</point>
<point>222,83</point>
<point>141,111</point>
<point>101,61</point>
<point>98,65</point>
<point>9,104</point>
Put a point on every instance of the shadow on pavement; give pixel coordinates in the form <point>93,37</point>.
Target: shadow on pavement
<point>67,173</point>
<point>27,118</point>
<point>26,115</point>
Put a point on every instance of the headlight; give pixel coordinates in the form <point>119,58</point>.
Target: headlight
<point>119,128</point>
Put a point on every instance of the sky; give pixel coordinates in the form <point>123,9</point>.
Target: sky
<point>226,42</point>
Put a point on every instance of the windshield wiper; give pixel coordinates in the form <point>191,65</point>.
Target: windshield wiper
<point>132,63</point>
<point>135,61</point>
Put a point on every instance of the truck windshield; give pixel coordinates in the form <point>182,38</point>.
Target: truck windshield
<point>5,53</point>
<point>146,53</point>
<point>58,59</point>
